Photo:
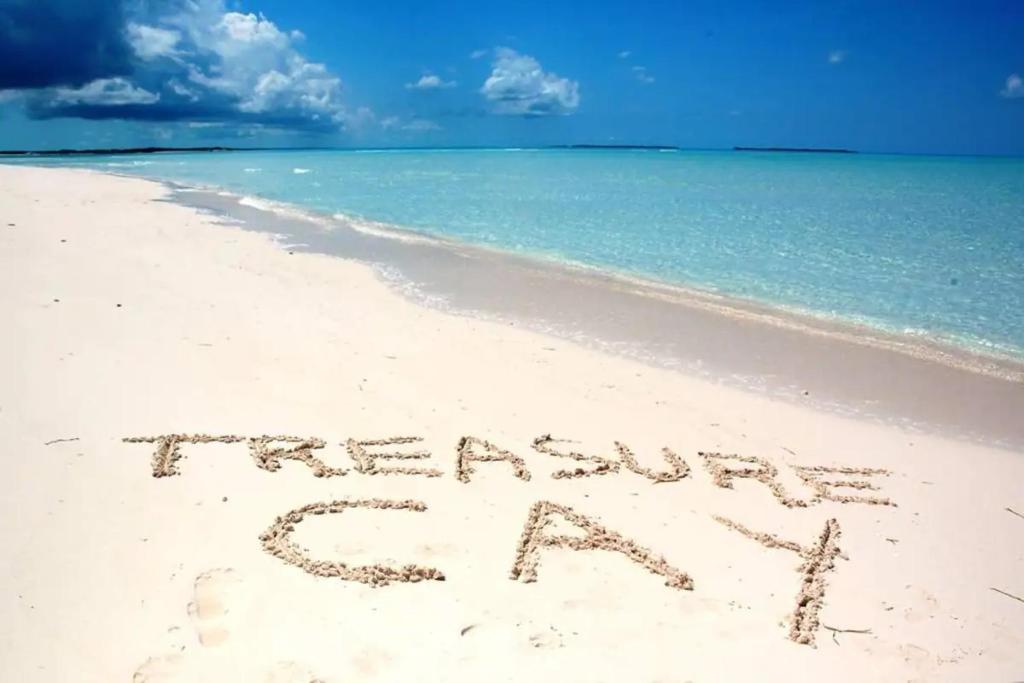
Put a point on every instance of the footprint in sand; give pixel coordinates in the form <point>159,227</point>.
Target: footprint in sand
<point>216,608</point>
<point>290,672</point>
<point>172,669</point>
<point>210,606</point>
<point>547,639</point>
<point>164,669</point>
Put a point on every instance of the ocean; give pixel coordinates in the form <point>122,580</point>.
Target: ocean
<point>926,246</point>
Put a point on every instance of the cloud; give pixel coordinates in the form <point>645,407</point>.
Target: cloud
<point>413,125</point>
<point>625,54</point>
<point>421,126</point>
<point>150,42</point>
<point>837,56</point>
<point>430,82</point>
<point>105,92</point>
<point>519,86</point>
<point>178,88</point>
<point>359,118</point>
<point>1014,87</point>
<point>477,54</point>
<point>640,73</point>
<point>192,60</point>
<point>61,42</point>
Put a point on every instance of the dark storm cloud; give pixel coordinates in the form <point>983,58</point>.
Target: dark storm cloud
<point>168,111</point>
<point>164,60</point>
<point>61,42</point>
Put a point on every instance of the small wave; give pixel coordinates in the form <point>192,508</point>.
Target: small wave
<point>281,209</point>
<point>300,171</point>
<point>383,230</point>
<point>252,170</point>
<point>127,164</point>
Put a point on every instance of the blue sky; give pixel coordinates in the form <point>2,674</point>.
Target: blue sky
<point>933,77</point>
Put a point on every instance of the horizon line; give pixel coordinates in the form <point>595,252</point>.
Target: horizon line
<point>740,149</point>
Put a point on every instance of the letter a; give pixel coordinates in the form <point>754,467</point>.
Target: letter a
<point>596,538</point>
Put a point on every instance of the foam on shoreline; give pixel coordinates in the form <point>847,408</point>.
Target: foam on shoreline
<point>979,356</point>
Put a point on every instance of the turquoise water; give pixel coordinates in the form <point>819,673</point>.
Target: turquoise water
<point>928,246</point>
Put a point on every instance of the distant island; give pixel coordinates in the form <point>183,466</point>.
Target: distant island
<point>818,150</point>
<point>112,150</point>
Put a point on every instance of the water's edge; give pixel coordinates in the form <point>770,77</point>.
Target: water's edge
<point>937,349</point>
<point>907,252</point>
<point>841,367</point>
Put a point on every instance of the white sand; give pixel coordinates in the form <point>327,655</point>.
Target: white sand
<point>170,323</point>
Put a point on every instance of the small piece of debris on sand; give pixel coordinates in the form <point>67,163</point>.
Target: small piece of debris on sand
<point>50,443</point>
<point>1009,595</point>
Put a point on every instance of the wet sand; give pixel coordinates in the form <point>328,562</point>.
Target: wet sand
<point>852,370</point>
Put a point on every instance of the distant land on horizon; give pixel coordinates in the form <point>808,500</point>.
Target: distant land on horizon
<point>112,150</point>
<point>157,150</point>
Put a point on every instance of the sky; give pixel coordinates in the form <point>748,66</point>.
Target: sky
<point>936,76</point>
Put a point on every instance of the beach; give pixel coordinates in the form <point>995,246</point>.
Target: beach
<point>192,416</point>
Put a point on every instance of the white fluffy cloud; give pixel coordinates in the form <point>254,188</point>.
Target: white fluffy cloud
<point>150,42</point>
<point>519,86</point>
<point>1014,87</point>
<point>198,61</point>
<point>430,82</point>
<point>249,59</point>
<point>107,92</point>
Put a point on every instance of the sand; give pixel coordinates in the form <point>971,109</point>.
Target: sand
<point>224,461</point>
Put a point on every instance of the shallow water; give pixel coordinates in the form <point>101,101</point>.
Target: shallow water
<point>930,246</point>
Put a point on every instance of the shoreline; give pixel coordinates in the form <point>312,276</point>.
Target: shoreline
<point>976,351</point>
<point>940,348</point>
<point>982,356</point>
<point>835,366</point>
<point>249,462</point>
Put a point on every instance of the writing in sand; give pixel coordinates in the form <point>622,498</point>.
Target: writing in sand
<point>398,456</point>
